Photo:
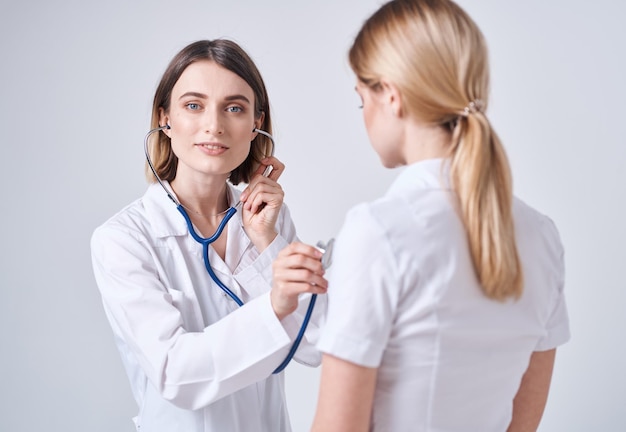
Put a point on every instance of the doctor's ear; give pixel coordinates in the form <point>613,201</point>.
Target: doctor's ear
<point>258,122</point>
<point>164,120</point>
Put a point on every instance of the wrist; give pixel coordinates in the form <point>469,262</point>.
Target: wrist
<point>281,306</point>
<point>261,242</point>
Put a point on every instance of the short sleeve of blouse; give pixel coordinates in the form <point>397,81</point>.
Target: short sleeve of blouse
<point>362,292</point>
<point>557,326</point>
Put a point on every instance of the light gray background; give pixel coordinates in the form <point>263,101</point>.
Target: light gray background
<point>76,84</point>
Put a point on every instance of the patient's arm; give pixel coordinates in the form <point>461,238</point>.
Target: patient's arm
<point>346,396</point>
<point>532,395</point>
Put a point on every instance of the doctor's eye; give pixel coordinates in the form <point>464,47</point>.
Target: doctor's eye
<point>193,106</point>
<point>234,109</point>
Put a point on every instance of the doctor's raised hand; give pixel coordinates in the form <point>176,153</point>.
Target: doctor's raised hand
<point>185,272</point>
<point>298,268</point>
<point>262,200</point>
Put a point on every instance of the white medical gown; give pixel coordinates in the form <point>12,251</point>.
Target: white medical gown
<point>196,361</point>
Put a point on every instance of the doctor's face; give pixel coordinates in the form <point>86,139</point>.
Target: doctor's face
<point>211,117</point>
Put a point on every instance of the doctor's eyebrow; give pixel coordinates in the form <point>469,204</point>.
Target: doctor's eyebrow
<point>193,94</point>
<point>235,97</point>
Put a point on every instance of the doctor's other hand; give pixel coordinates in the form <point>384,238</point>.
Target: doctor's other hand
<point>296,270</point>
<point>262,200</point>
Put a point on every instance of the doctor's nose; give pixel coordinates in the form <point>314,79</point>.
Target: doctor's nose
<point>212,123</point>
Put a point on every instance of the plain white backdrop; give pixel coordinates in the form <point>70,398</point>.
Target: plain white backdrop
<point>76,83</point>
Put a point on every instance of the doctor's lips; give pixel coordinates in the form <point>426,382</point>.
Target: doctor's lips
<point>212,145</point>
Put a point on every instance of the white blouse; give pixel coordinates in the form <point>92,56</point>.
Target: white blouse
<point>404,298</point>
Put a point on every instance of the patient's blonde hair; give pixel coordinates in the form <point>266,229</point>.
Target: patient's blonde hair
<point>435,54</point>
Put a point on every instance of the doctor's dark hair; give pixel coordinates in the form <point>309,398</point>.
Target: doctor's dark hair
<point>436,56</point>
<point>232,57</point>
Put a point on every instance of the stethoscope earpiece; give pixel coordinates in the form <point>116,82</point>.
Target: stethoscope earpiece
<point>262,132</point>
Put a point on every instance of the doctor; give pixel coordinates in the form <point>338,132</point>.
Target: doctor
<point>195,359</point>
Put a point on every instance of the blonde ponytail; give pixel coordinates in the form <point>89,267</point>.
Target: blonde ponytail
<point>481,177</point>
<point>436,56</point>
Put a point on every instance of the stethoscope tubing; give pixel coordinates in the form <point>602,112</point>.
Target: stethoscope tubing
<point>205,242</point>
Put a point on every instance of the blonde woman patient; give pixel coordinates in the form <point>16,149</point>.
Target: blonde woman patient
<point>451,323</point>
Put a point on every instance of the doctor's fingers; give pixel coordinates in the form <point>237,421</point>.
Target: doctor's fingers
<point>289,261</point>
<point>263,194</point>
<point>299,248</point>
<point>293,282</point>
<point>284,295</point>
<point>276,171</point>
<point>256,182</point>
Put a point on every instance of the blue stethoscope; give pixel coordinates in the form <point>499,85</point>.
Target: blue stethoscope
<point>205,242</point>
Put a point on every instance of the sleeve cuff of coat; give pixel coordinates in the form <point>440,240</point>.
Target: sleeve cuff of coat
<point>263,264</point>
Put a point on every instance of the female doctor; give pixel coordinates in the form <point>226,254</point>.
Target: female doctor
<point>196,360</point>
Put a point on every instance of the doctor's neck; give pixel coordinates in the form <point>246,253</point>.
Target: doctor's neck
<point>206,198</point>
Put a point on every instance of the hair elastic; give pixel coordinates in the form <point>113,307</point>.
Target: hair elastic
<point>474,106</point>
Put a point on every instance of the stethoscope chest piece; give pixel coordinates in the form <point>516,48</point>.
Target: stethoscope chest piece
<point>327,251</point>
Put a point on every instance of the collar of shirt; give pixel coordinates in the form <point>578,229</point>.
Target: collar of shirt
<point>164,216</point>
<point>166,221</point>
<point>425,174</point>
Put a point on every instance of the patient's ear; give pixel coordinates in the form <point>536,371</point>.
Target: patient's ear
<point>391,96</point>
